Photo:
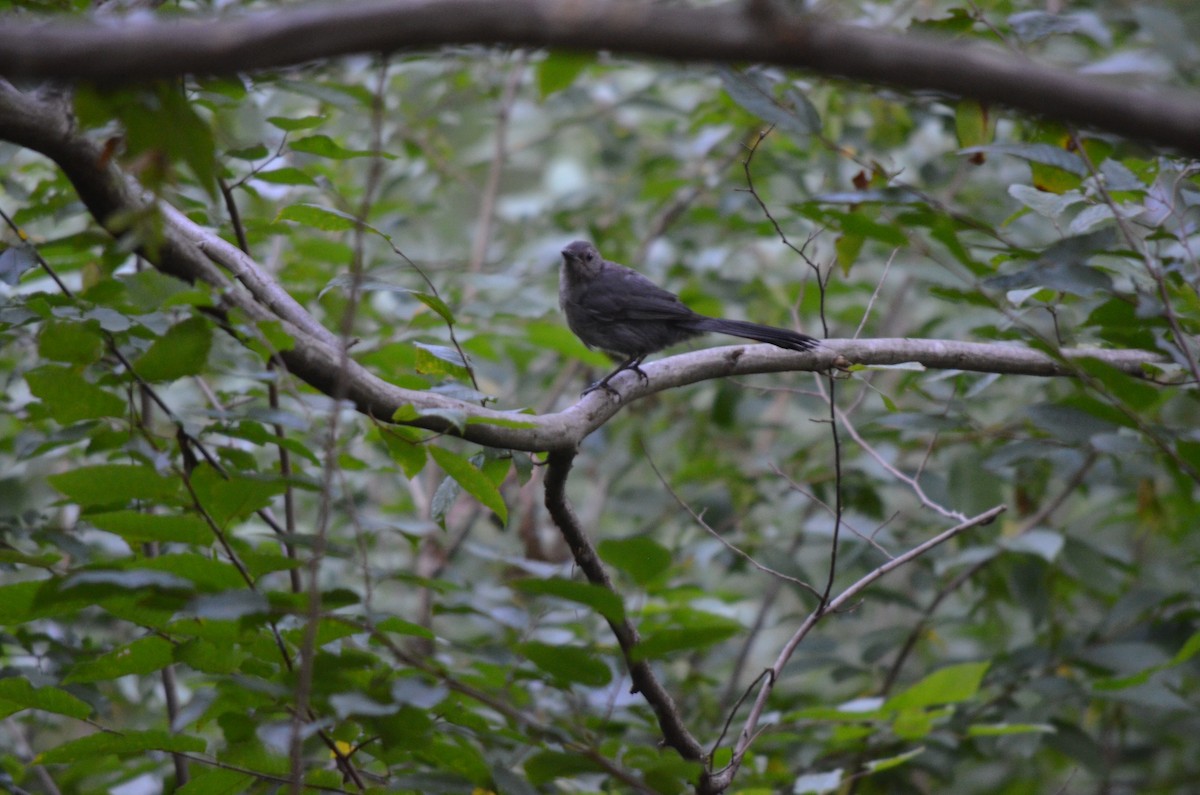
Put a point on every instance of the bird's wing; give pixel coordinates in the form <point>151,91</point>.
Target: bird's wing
<point>631,296</point>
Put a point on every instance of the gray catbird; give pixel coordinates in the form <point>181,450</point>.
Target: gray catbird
<point>623,313</point>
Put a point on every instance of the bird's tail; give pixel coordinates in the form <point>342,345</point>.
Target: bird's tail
<point>782,338</point>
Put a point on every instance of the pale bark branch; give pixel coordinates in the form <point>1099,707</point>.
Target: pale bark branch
<point>145,47</point>
<point>197,254</point>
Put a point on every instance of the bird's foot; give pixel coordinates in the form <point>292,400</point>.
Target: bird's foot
<point>602,384</point>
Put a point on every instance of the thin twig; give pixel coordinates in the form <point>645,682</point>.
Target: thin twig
<point>750,729</point>
<point>731,547</point>
<point>491,187</point>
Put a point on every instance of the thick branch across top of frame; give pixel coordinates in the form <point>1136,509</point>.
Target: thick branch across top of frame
<point>145,48</point>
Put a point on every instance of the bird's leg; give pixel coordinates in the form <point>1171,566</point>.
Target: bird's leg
<point>632,363</point>
<point>635,365</point>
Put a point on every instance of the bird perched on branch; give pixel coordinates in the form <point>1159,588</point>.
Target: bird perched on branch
<point>621,312</point>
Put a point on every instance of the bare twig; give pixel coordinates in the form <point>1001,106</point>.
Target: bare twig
<point>731,547</point>
<point>491,187</point>
<point>750,728</point>
<point>911,482</point>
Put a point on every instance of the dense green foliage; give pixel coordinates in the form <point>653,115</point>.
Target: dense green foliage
<point>169,584</point>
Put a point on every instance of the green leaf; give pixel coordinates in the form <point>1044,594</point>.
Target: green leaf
<point>1136,394</point>
<point>912,723</point>
<point>1039,153</point>
<point>568,663</point>
<point>439,360</point>
<point>472,480</point>
<point>228,605</point>
<point>641,557</point>
<point>216,781</point>
<point>293,125</point>
<point>945,686</point>
<point>114,484</point>
<point>559,70</point>
<point>19,602</point>
<point>755,91</point>
<point>158,119</point>
<point>503,422</point>
<point>848,246</point>
<point>205,572</point>
<point>325,218</point>
<point>1005,729</point>
<point>603,601</point>
<point>100,582</point>
<point>436,304</point>
<point>973,123</point>
<point>140,657</point>
<point>138,527</point>
<point>663,642</point>
<point>121,744</point>
<point>208,657</point>
<point>16,694</point>
<point>180,352</point>
<point>324,146</point>
<point>887,763</point>
<point>287,175</point>
<point>401,627</point>
<point>546,766</point>
<point>235,497</point>
<point>557,337</point>
<point>68,397</point>
<point>188,137</point>
<point>255,152</point>
<point>71,342</point>
<point>407,448</point>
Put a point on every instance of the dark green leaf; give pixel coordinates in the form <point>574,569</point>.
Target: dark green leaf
<point>603,601</point>
<point>71,342</point>
<point>138,527</point>
<point>285,176</point>
<point>114,484</point>
<point>755,92</point>
<point>16,694</point>
<point>324,146</point>
<point>127,743</point>
<point>546,766</point>
<point>559,70</point>
<point>235,497</point>
<point>948,685</point>
<point>181,352</point>
<point>293,125</point>
<point>140,657</point>
<point>439,360</point>
<point>318,217</point>
<point>68,397</point>
<point>664,642</point>
<point>216,781</point>
<point>568,663</point>
<point>472,480</point>
<point>641,557</point>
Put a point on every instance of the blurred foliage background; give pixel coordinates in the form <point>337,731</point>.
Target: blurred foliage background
<point>151,604</point>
